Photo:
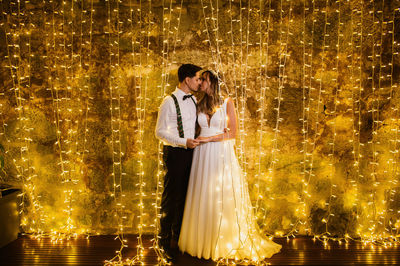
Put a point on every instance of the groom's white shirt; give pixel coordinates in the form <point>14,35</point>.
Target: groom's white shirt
<point>167,126</point>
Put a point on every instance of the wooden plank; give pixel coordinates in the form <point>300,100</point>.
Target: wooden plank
<point>97,249</point>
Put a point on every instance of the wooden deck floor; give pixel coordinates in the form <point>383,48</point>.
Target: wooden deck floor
<point>97,249</point>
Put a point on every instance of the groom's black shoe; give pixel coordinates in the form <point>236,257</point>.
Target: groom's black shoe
<point>174,248</point>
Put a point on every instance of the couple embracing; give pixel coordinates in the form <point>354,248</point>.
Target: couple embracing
<point>205,207</point>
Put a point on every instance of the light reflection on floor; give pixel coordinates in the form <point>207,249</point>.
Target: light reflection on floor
<point>299,251</point>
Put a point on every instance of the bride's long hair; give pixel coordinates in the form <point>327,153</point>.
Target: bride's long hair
<point>210,103</point>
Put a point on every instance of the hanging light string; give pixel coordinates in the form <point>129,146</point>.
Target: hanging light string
<point>80,123</point>
<point>282,78</point>
<point>355,83</point>
<point>122,174</point>
<point>206,18</point>
<point>302,219</point>
<point>235,85</point>
<point>333,114</point>
<point>160,258</point>
<point>140,114</point>
<point>283,55</point>
<point>396,180</point>
<point>140,111</point>
<point>69,82</point>
<point>88,66</point>
<point>32,174</point>
<point>64,84</point>
<point>21,107</point>
<point>35,199</point>
<point>361,145</point>
<point>138,106</point>
<point>13,55</point>
<point>308,156</point>
<point>167,61</point>
<point>319,100</point>
<point>171,59</point>
<point>166,24</point>
<point>264,86</point>
<point>23,82</point>
<point>371,214</point>
<point>232,53</point>
<point>115,124</point>
<point>3,91</point>
<point>392,221</point>
<point>61,82</point>
<point>4,25</point>
<point>31,219</point>
<point>300,212</point>
<point>176,39</point>
<point>54,83</point>
<point>240,93</point>
<point>141,125</point>
<point>215,24</point>
<point>244,90</point>
<point>381,204</point>
<point>320,92</point>
<point>215,49</point>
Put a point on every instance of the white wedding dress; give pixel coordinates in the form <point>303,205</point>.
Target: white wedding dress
<point>218,220</point>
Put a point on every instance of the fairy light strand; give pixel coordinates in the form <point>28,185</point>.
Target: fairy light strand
<point>88,67</point>
<point>309,155</point>
<point>160,172</point>
<point>311,100</point>
<point>380,203</point>
<point>371,216</point>
<point>321,91</point>
<point>306,93</point>
<point>264,87</point>
<point>281,83</point>
<point>390,217</point>
<point>115,125</point>
<point>333,114</point>
<point>25,171</point>
<point>356,107</point>
<point>167,61</point>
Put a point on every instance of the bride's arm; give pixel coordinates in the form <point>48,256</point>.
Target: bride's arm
<point>230,133</point>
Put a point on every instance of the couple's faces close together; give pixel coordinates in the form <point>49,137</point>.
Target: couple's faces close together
<point>199,82</point>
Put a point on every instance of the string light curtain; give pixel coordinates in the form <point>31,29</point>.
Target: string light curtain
<point>315,84</point>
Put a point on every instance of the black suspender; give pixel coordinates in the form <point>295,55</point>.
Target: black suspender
<point>179,115</point>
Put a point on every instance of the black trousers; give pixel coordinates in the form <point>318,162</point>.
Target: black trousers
<point>178,162</point>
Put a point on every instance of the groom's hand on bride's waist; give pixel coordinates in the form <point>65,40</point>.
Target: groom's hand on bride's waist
<point>192,143</point>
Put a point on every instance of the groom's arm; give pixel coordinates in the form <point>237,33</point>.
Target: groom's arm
<point>165,130</point>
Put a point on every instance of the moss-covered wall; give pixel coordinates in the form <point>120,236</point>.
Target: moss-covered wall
<point>81,83</point>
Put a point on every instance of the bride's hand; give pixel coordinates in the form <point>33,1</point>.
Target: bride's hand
<point>203,139</point>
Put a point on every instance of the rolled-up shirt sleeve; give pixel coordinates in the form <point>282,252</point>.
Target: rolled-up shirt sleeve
<point>166,130</point>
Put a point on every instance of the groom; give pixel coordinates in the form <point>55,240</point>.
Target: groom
<point>176,129</point>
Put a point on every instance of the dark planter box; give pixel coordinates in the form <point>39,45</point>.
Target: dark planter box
<point>9,216</point>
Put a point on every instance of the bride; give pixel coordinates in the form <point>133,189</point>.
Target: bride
<point>218,220</point>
